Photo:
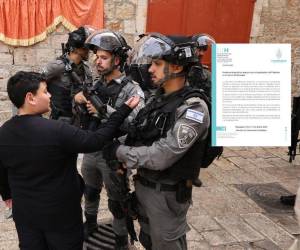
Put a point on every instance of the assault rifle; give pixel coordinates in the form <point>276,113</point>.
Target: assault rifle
<point>128,202</point>
<point>86,120</point>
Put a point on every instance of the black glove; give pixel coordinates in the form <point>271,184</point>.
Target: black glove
<point>109,151</point>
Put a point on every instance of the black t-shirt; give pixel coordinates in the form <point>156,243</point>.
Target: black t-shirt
<point>38,167</point>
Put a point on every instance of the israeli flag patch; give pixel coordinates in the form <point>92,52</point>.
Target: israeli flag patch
<point>194,115</point>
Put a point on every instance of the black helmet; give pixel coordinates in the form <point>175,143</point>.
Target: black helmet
<point>203,40</point>
<point>173,49</point>
<point>108,41</point>
<point>77,37</point>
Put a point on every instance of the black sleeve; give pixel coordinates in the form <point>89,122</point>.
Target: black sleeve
<point>4,187</point>
<point>75,89</point>
<point>75,140</point>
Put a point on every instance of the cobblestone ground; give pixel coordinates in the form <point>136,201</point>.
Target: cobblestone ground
<point>222,216</point>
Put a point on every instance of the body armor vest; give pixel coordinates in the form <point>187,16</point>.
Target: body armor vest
<point>199,78</point>
<point>62,87</point>
<point>153,122</point>
<point>108,94</point>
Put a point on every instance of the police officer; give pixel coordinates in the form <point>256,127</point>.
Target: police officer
<point>199,75</point>
<point>66,74</point>
<point>113,87</point>
<point>165,144</point>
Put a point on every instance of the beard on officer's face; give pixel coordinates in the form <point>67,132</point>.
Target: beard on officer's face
<point>105,71</point>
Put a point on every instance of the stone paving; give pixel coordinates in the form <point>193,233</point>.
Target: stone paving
<point>223,216</point>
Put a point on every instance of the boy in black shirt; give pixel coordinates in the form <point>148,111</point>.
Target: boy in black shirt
<point>38,174</point>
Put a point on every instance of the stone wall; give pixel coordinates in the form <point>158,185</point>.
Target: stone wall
<point>13,59</point>
<point>278,21</point>
<point>126,16</point>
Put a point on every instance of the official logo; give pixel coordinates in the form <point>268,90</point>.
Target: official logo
<point>186,135</point>
<point>279,57</point>
<point>278,54</point>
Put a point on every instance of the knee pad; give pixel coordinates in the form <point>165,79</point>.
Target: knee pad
<point>145,240</point>
<point>91,194</point>
<point>116,209</point>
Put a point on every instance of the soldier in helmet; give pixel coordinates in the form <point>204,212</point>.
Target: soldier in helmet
<point>200,76</point>
<point>67,73</point>
<point>165,143</point>
<point>113,87</point>
<point>138,71</point>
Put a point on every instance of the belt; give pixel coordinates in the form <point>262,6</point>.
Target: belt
<point>155,185</point>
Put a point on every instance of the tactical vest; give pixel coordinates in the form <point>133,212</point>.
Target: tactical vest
<point>62,87</point>
<point>153,122</point>
<point>199,78</point>
<point>108,94</point>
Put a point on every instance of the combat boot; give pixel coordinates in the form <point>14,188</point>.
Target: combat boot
<point>288,200</point>
<point>121,242</point>
<point>90,225</point>
<point>197,182</point>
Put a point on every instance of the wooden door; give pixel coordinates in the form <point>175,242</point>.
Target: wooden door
<point>228,21</point>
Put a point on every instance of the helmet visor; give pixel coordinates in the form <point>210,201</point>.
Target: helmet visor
<point>149,48</point>
<point>205,40</point>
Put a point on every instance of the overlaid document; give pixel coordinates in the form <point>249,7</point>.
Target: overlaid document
<point>251,95</point>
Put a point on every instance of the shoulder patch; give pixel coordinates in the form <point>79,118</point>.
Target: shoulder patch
<point>186,135</point>
<point>140,93</point>
<point>44,71</point>
<point>193,100</point>
<point>54,68</point>
<point>134,89</point>
<point>194,115</point>
<point>57,62</point>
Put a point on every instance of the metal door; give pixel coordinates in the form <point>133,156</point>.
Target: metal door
<point>228,21</point>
